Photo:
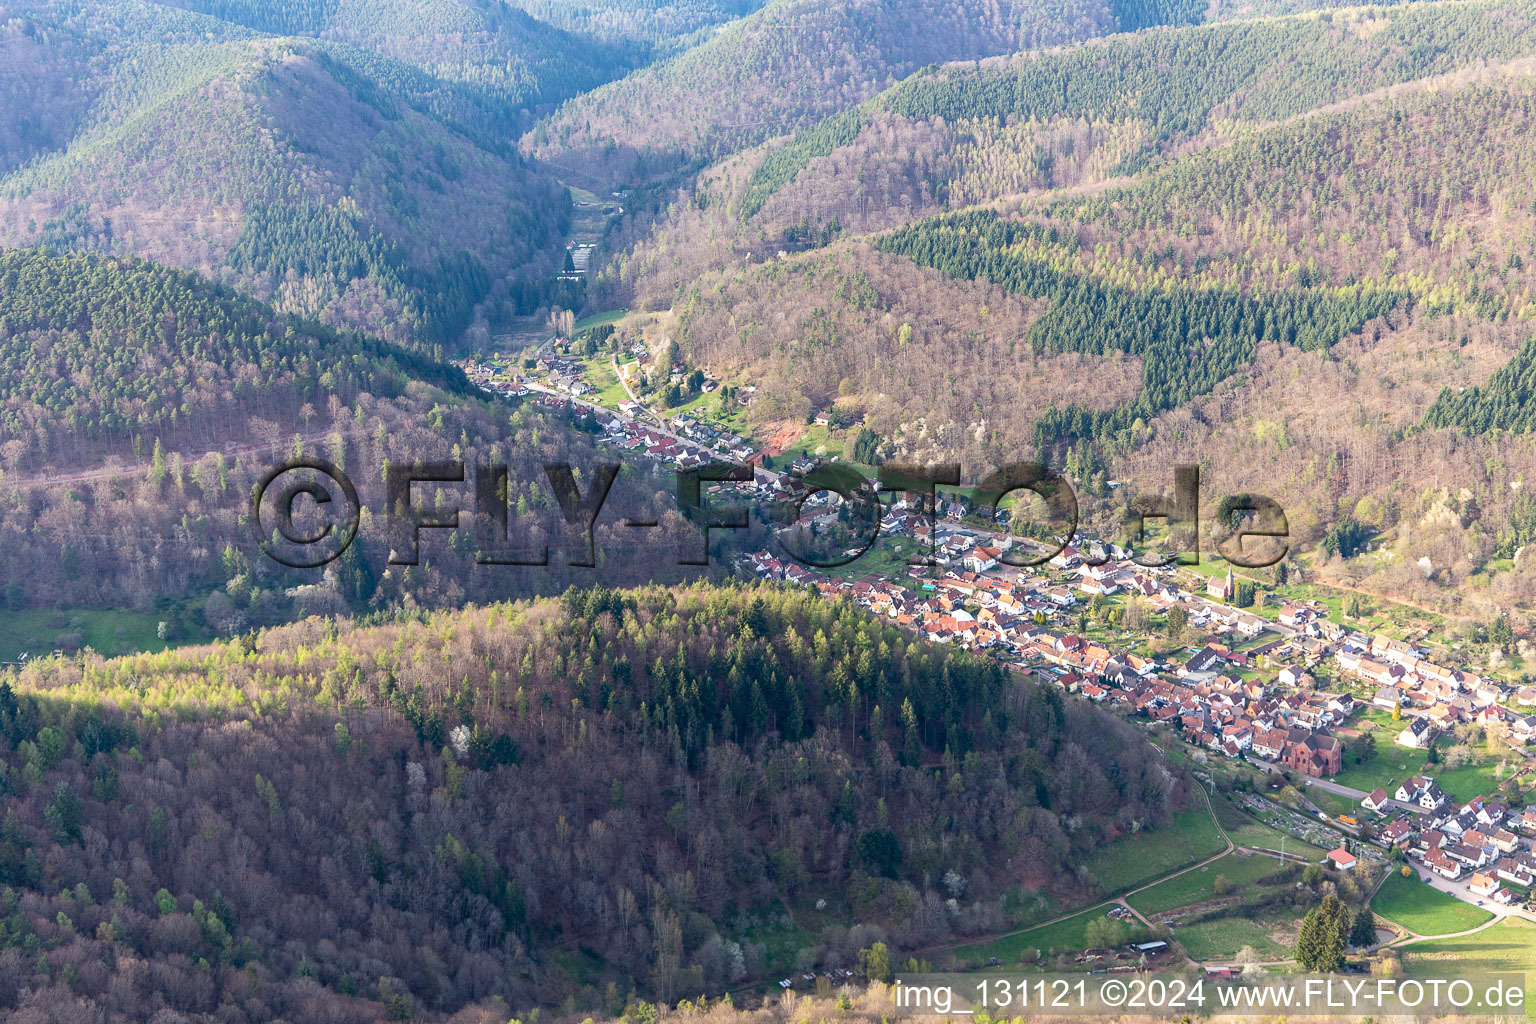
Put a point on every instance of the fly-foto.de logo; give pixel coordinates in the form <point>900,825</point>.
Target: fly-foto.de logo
<point>306,512</point>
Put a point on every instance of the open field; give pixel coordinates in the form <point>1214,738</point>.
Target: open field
<point>1223,938</point>
<point>1389,761</point>
<point>611,316</point>
<point>40,631</point>
<point>1472,780</point>
<point>1063,936</point>
<point>1509,946</point>
<point>1198,886</point>
<point>1423,910</point>
<point>1127,863</point>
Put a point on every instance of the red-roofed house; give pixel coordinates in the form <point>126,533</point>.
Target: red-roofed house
<point>1342,859</point>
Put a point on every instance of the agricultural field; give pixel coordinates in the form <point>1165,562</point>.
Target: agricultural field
<point>1424,910</point>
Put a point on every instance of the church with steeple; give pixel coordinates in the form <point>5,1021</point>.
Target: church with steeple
<point>1222,589</point>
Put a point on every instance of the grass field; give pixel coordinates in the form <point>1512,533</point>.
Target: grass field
<point>611,316</point>
<point>598,371</point>
<point>39,631</point>
<point>1425,911</point>
<point>1390,761</point>
<point>1200,885</point>
<point>1469,781</point>
<point>1509,946</point>
<point>1063,936</point>
<point>1127,863</point>
<point>1224,937</point>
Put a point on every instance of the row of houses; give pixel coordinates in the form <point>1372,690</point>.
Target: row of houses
<point>1433,698</point>
<point>979,604</point>
<point>1484,838</point>
<point>726,446</point>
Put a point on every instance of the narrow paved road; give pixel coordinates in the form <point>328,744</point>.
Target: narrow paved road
<point>624,383</point>
<point>663,431</point>
<point>1412,937</point>
<point>1328,786</point>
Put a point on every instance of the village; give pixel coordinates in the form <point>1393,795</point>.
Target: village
<point>1247,691</point>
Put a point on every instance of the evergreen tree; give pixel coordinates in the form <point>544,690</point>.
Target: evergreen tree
<point>1363,932</point>
<point>1320,943</point>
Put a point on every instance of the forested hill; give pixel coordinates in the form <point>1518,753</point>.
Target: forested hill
<point>666,26</point>
<point>570,801</point>
<point>1284,234</point>
<point>492,47</point>
<point>333,181</point>
<point>1117,106</point>
<point>99,355</point>
<point>1189,339</point>
<point>1161,248</point>
<point>787,66</point>
<point>1070,121</point>
<point>140,406</point>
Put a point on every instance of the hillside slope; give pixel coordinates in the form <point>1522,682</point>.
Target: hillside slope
<point>332,179</point>
<point>1117,106</point>
<point>559,802</point>
<point>1240,217</point>
<point>141,406</point>
<point>491,46</point>
<point>786,66</point>
<point>666,26</point>
<point>1076,119</point>
<point>335,183</point>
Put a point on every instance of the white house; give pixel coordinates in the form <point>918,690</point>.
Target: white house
<point>1418,734</point>
<point>1342,859</point>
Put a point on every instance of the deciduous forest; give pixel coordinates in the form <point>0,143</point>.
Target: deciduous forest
<point>328,819</point>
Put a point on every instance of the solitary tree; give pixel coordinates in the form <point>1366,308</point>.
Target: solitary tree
<point>1178,618</point>
<point>1363,931</point>
<point>877,962</point>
